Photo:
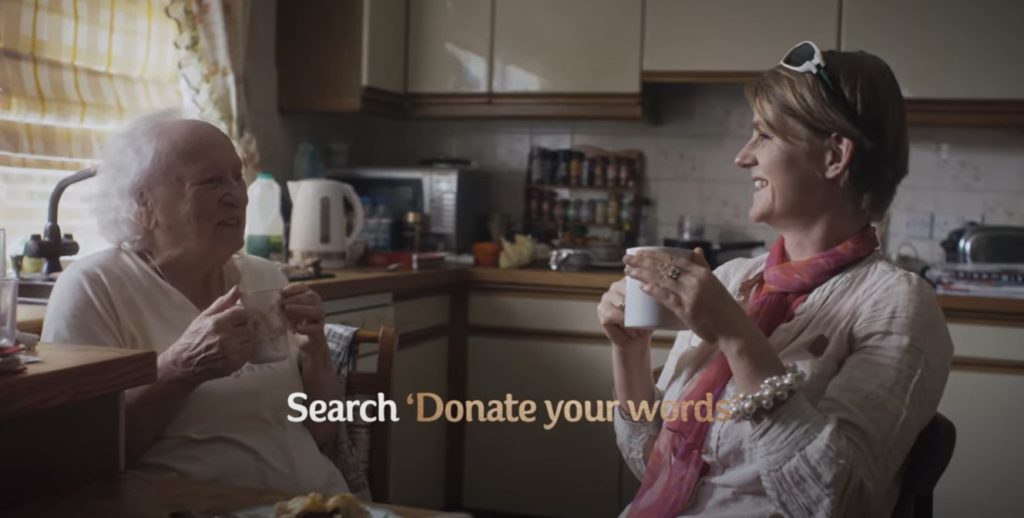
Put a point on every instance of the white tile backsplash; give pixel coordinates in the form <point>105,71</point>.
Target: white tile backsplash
<point>672,198</point>
<point>958,175</point>
<point>913,200</point>
<point>719,165</point>
<point>968,205</point>
<point>727,203</point>
<point>549,140</point>
<point>1003,208</point>
<point>675,158</point>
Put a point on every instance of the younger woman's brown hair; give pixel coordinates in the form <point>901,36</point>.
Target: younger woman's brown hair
<point>873,118</point>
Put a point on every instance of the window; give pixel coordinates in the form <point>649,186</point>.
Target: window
<point>70,72</point>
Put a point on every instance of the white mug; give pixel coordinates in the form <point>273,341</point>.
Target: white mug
<point>644,311</point>
<point>270,343</point>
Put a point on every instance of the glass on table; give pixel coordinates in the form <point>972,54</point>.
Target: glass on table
<point>8,297</point>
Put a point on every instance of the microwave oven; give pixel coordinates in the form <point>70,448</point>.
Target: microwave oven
<point>456,201</point>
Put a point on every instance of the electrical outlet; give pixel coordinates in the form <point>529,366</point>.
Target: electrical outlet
<point>943,224</point>
<point>917,225</point>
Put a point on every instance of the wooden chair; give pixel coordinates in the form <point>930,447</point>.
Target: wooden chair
<point>369,384</point>
<point>925,464</point>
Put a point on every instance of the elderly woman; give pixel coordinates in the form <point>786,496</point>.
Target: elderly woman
<point>844,355</point>
<point>175,206</point>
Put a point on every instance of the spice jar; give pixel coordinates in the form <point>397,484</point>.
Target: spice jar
<point>545,207</point>
<point>573,214</point>
<point>533,206</point>
<point>536,168</point>
<point>550,162</point>
<point>600,212</point>
<point>626,213</point>
<point>562,170</point>
<point>559,210</point>
<point>575,167</point>
<point>600,165</point>
<point>587,212</point>
<point>625,172</point>
<point>611,173</point>
<point>612,216</point>
<point>587,177</point>
<point>634,173</point>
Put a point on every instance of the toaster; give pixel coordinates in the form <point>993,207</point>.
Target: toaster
<point>976,243</point>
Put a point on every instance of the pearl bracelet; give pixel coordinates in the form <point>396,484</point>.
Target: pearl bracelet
<point>744,406</point>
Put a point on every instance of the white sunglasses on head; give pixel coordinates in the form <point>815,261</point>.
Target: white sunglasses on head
<point>806,57</point>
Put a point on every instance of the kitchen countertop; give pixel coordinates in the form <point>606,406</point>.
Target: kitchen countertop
<point>408,283</point>
<point>360,281</point>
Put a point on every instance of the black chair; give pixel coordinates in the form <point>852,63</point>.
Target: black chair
<point>925,464</point>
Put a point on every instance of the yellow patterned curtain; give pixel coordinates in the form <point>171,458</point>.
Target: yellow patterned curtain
<point>70,72</point>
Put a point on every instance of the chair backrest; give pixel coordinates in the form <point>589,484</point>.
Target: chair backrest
<point>371,383</point>
<point>925,463</point>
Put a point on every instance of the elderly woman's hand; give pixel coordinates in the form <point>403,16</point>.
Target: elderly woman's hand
<point>697,297</point>
<point>217,343</point>
<point>305,313</point>
<point>610,312</point>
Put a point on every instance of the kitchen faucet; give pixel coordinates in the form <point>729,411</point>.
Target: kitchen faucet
<point>51,245</point>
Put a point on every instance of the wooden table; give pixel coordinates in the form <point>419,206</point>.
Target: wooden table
<point>71,374</point>
<point>139,495</point>
<point>61,420</point>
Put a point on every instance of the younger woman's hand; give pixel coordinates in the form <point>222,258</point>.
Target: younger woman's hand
<point>611,314</point>
<point>695,295</point>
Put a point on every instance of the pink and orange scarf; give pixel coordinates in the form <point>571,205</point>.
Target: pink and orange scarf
<point>675,464</point>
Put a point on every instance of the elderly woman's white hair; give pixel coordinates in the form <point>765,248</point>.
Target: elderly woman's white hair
<point>128,165</point>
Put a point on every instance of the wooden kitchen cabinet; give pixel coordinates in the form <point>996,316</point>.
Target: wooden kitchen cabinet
<point>983,478</point>
<point>567,59</point>
<point>542,346</point>
<point>697,39</point>
<point>461,58</point>
<point>982,398</point>
<point>417,474</point>
<point>567,46</point>
<point>943,49</point>
<point>341,56</point>
<point>569,470</point>
<point>419,450</point>
<point>449,46</point>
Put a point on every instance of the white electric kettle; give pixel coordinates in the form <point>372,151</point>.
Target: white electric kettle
<point>319,226</point>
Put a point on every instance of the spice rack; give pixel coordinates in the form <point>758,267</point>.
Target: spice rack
<point>579,192</point>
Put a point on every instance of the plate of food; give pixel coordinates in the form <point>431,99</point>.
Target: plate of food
<point>315,505</point>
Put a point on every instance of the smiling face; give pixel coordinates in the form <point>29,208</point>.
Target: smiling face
<point>790,186</point>
<point>198,196</point>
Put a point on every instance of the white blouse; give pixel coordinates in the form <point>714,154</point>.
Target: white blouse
<point>877,352</point>
<point>231,430</point>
